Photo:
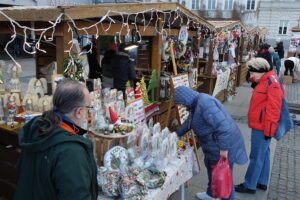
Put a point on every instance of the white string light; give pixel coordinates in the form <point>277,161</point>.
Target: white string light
<point>125,23</point>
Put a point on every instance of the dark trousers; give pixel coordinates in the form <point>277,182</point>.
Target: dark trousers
<point>208,164</point>
<point>289,66</point>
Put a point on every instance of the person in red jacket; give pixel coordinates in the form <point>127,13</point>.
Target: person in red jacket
<point>263,117</point>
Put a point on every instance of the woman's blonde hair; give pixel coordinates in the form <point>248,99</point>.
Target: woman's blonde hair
<point>258,63</point>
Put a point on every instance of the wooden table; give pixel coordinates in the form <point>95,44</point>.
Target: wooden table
<point>9,154</point>
<point>105,142</point>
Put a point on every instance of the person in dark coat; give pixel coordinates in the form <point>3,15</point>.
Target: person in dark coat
<point>123,69</point>
<point>264,53</point>
<point>279,48</point>
<point>107,72</point>
<point>217,132</point>
<point>276,60</point>
<point>94,67</point>
<point>57,162</point>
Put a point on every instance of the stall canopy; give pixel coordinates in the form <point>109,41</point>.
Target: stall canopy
<point>224,25</point>
<point>149,19</point>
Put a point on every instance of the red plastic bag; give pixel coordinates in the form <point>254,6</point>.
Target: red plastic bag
<point>221,182</point>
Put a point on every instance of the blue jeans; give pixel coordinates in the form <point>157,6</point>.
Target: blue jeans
<point>259,168</point>
<point>277,70</point>
<point>208,163</point>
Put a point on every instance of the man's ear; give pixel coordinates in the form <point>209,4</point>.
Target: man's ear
<point>77,113</point>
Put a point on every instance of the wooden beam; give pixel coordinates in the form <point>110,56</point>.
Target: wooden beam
<point>210,58</point>
<point>48,13</point>
<point>92,11</point>
<point>34,13</point>
<point>7,29</point>
<point>156,55</point>
<point>196,41</point>
<point>62,45</point>
<point>241,48</point>
<point>116,28</point>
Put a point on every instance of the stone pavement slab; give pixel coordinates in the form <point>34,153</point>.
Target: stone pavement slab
<point>285,176</point>
<point>292,95</point>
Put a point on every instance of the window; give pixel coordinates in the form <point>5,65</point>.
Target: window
<point>250,4</point>
<point>211,4</point>
<point>195,4</point>
<point>228,4</point>
<point>283,27</point>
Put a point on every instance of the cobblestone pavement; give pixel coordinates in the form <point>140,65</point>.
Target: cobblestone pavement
<point>285,175</point>
<point>292,95</point>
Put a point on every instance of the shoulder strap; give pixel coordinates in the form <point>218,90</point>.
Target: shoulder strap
<point>270,82</point>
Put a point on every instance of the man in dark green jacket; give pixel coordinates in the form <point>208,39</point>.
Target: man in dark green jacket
<point>56,162</point>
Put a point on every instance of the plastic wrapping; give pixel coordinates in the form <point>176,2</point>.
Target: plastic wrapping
<point>116,159</point>
<point>109,182</point>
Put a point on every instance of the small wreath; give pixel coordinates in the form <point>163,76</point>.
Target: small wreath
<point>74,68</point>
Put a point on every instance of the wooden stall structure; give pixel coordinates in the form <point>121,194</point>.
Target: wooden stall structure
<point>251,39</point>
<point>294,41</point>
<point>54,28</point>
<point>226,30</point>
<point>249,43</point>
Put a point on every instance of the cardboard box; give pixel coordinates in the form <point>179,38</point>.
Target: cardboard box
<point>287,80</point>
<point>298,76</point>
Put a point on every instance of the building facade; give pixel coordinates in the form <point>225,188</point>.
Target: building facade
<point>277,16</point>
<point>59,2</point>
<point>44,2</point>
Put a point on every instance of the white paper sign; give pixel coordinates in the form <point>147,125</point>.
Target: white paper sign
<point>137,112</point>
<point>181,80</point>
<point>183,35</point>
<point>222,82</point>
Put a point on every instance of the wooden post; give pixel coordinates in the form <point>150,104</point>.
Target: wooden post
<point>210,58</point>
<point>242,48</point>
<point>62,45</point>
<point>210,66</point>
<point>173,59</point>
<point>196,41</point>
<point>156,54</point>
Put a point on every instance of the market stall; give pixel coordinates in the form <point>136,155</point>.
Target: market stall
<point>52,35</point>
<point>249,43</point>
<point>294,41</point>
<point>220,72</point>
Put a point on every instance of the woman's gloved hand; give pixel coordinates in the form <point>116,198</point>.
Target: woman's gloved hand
<point>224,154</point>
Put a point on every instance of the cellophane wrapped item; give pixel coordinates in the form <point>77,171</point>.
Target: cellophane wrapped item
<point>109,182</point>
<point>153,178</point>
<point>132,187</point>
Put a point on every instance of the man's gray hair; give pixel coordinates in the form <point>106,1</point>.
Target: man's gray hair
<point>68,96</point>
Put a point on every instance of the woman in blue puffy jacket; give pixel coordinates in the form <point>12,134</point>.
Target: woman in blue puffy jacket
<point>217,132</point>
